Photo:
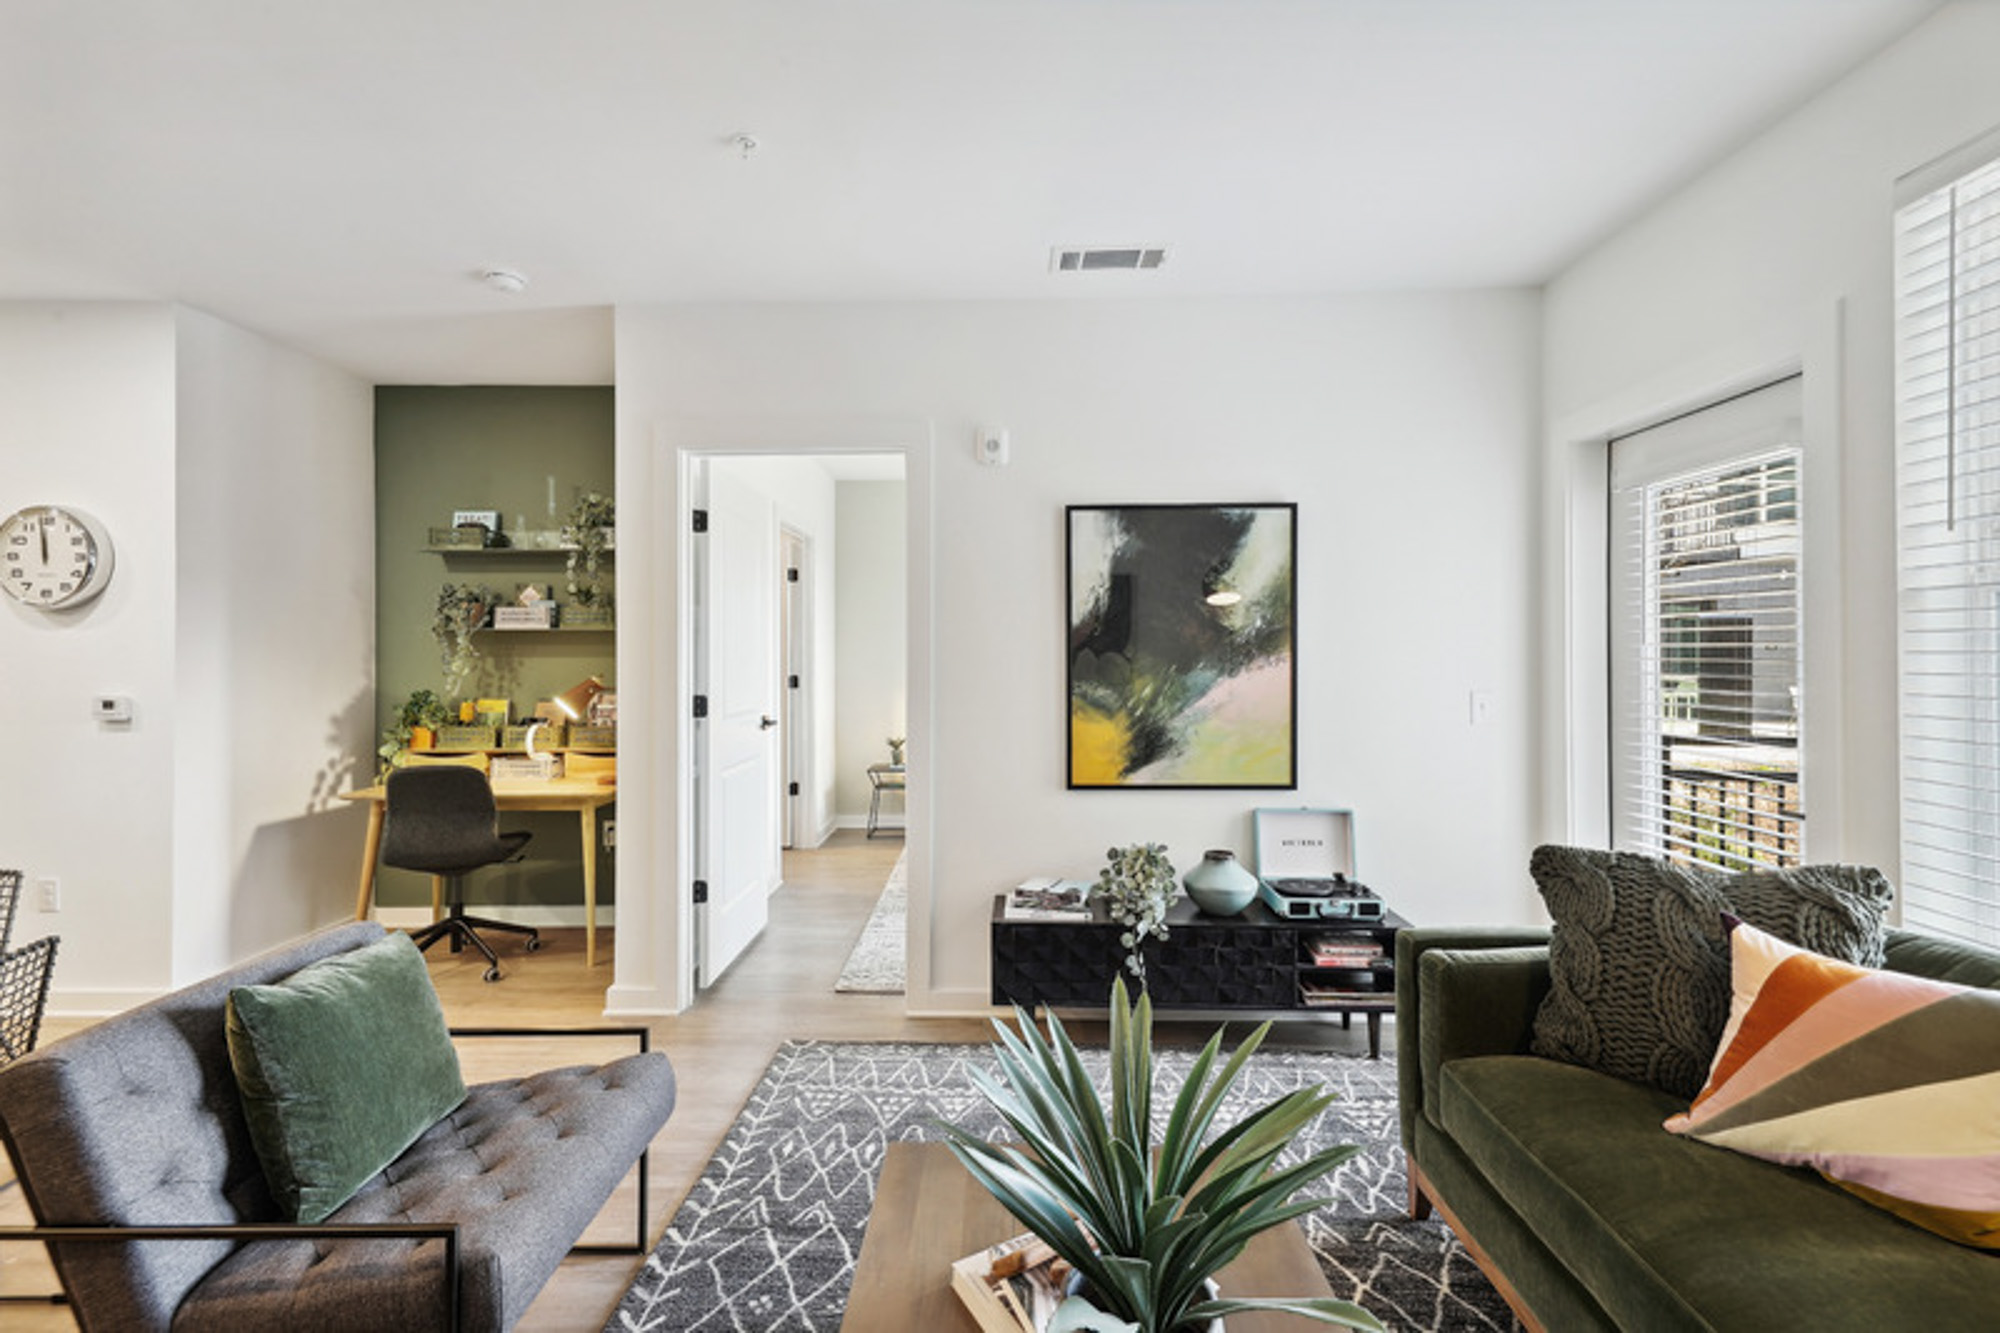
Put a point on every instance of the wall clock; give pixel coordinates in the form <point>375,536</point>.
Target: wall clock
<point>53,557</point>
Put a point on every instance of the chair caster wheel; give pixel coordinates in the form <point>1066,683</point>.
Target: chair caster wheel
<point>534,943</point>
<point>493,974</point>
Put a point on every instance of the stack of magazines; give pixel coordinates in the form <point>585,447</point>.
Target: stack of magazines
<point>1014,1287</point>
<point>1046,898</point>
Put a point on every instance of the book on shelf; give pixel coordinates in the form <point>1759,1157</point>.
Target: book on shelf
<point>1047,898</point>
<point>1322,993</point>
<point>1012,1287</point>
<point>1344,947</point>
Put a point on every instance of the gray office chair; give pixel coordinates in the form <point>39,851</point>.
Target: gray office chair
<point>441,820</point>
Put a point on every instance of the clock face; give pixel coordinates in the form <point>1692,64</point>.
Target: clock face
<point>52,557</point>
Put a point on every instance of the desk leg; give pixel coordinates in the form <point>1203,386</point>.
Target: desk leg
<point>590,888</point>
<point>371,849</point>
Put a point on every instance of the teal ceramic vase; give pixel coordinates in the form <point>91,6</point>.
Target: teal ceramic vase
<point>1220,886</point>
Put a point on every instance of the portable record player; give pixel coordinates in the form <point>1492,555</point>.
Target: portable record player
<point>1305,866</point>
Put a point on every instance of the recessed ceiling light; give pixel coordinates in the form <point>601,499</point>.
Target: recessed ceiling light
<point>504,280</point>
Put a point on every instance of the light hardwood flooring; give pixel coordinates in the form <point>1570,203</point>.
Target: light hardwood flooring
<point>781,988</point>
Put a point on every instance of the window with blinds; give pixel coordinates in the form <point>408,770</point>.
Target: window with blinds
<point>1948,550</point>
<point>1705,624</point>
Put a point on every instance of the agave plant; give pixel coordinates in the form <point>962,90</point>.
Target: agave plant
<point>1145,1224</point>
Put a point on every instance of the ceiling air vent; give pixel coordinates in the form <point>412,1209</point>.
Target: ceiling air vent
<point>1106,258</point>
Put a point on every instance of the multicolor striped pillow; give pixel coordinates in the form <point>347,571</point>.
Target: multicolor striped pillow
<point>1886,1084</point>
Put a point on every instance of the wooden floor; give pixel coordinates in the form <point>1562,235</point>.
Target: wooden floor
<point>782,988</point>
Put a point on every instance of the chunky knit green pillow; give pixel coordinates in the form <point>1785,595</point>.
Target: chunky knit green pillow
<point>341,1066</point>
<point>1639,963</point>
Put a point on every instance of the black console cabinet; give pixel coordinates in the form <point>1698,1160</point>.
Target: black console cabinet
<point>1256,963</point>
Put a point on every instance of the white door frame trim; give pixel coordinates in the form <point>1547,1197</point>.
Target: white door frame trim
<point>654,945</point>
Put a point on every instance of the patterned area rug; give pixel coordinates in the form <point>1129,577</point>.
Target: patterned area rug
<point>767,1239</point>
<point>876,967</point>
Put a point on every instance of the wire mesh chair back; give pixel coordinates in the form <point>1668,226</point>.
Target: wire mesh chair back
<point>10,899</point>
<point>24,994</point>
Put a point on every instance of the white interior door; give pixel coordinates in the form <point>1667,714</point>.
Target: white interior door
<point>738,752</point>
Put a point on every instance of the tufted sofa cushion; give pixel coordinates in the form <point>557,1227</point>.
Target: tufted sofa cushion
<point>523,1165</point>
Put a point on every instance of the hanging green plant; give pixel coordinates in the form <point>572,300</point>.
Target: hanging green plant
<point>461,609</point>
<point>589,533</point>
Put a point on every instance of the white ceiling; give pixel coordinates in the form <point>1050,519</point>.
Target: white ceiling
<point>335,173</point>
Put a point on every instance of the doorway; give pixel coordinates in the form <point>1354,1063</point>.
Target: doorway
<point>802,658</point>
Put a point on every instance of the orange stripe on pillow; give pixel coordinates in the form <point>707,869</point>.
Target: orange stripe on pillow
<point>1794,986</point>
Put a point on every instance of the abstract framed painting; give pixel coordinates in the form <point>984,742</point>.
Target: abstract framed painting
<point>1181,643</point>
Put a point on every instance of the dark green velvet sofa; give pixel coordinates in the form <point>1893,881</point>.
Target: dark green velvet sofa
<point>1588,1215</point>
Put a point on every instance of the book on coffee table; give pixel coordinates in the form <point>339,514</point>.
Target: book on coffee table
<point>1012,1287</point>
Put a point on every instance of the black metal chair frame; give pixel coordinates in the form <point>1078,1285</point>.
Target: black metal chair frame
<point>247,1231</point>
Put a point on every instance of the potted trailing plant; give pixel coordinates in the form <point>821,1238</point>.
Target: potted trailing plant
<point>1145,1223</point>
<point>1137,885</point>
<point>461,610</point>
<point>589,533</point>
<point>413,728</point>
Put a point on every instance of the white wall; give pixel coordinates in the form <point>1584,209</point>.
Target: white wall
<point>235,479</point>
<point>1406,428</point>
<point>275,490</point>
<point>87,419</point>
<point>872,642</point>
<point>1778,256</point>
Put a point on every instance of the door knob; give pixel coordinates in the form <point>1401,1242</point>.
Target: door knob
<point>767,723</point>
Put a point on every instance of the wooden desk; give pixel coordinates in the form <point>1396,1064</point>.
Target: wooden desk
<point>929,1211</point>
<point>586,796</point>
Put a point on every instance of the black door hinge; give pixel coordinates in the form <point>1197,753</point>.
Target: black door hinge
<point>791,576</point>
<point>701,520</point>
<point>792,681</point>
<point>793,790</point>
<point>701,705</point>
<point>701,890</point>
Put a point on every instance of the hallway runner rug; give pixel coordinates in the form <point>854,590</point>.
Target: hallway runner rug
<point>767,1239</point>
<point>876,966</point>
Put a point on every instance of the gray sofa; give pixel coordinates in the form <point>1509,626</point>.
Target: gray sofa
<point>1588,1215</point>
<point>135,1122</point>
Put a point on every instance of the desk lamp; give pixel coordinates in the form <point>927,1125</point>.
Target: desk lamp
<point>576,700</point>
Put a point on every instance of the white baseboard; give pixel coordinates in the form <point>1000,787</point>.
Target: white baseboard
<point>861,821</point>
<point>541,917</point>
<point>953,1002</point>
<point>65,1003</point>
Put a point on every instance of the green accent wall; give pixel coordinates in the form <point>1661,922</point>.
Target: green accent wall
<point>443,449</point>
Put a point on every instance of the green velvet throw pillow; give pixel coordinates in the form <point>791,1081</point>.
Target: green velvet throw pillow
<point>341,1066</point>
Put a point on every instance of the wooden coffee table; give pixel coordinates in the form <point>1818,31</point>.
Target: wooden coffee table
<point>928,1212</point>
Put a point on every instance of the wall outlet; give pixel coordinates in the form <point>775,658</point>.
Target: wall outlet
<point>610,834</point>
<point>1481,708</point>
<point>48,894</point>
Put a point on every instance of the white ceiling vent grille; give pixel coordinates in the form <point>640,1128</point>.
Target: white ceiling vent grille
<point>1106,258</point>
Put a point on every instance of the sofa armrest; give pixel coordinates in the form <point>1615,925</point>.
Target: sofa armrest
<point>1412,1022</point>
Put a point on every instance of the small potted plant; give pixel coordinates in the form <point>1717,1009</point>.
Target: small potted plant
<point>414,727</point>
<point>1137,885</point>
<point>1145,1223</point>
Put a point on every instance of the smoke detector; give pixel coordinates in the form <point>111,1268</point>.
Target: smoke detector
<point>504,280</point>
<point>1106,258</point>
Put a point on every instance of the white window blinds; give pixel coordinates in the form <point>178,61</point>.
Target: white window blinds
<point>1948,549</point>
<point>1705,611</point>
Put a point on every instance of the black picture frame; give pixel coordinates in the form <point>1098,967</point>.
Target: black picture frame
<point>1182,669</point>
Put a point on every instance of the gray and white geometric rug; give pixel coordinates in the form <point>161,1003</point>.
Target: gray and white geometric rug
<point>767,1239</point>
<point>876,966</point>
